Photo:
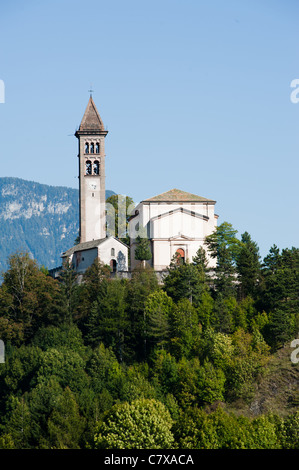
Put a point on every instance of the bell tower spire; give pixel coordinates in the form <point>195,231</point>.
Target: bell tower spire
<point>91,139</point>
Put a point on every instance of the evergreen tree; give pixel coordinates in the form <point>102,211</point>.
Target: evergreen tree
<point>158,309</point>
<point>142,284</point>
<point>143,251</point>
<point>69,284</point>
<point>248,266</point>
<point>185,330</point>
<point>65,424</point>
<point>184,281</point>
<point>19,425</point>
<point>223,246</point>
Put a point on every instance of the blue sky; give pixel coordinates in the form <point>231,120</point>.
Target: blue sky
<point>195,95</point>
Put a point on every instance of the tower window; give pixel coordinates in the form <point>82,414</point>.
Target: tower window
<point>97,147</point>
<point>96,168</point>
<point>92,147</point>
<point>88,167</point>
<point>86,147</point>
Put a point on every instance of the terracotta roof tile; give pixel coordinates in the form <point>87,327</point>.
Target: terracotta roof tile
<point>177,195</point>
<point>91,119</point>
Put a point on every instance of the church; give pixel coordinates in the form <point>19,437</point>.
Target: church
<point>175,222</point>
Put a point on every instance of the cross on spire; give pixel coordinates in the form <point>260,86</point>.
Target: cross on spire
<point>91,90</point>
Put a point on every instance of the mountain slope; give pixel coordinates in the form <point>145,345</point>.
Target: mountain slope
<point>276,391</point>
<point>40,219</point>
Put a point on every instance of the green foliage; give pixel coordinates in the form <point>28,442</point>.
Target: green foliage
<point>33,297</point>
<point>142,424</point>
<point>248,266</point>
<point>118,211</point>
<point>157,311</point>
<point>130,363</point>
<point>223,246</point>
<point>185,329</point>
<point>196,429</point>
<point>65,424</point>
<point>143,249</point>
<point>184,281</point>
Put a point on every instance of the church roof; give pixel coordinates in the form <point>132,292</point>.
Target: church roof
<point>177,195</point>
<point>91,120</point>
<point>84,246</point>
<point>88,246</point>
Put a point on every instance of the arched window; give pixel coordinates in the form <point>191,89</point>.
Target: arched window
<point>97,147</point>
<point>92,147</point>
<point>88,167</point>
<point>112,251</point>
<point>180,255</point>
<point>86,147</point>
<point>96,168</point>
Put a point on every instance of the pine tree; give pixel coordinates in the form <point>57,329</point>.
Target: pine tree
<point>69,284</point>
<point>65,425</point>
<point>248,266</point>
<point>143,251</point>
<point>223,246</point>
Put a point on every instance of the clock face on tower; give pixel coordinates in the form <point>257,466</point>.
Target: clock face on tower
<point>93,186</point>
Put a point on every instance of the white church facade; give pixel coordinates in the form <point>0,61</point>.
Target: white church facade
<point>174,222</point>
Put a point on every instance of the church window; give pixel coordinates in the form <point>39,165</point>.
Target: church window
<point>87,147</point>
<point>112,251</point>
<point>92,147</point>
<point>97,147</point>
<point>88,168</point>
<point>96,168</point>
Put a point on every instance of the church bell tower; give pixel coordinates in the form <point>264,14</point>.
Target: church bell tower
<point>91,138</point>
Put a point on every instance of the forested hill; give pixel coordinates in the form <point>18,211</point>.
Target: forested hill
<point>40,219</point>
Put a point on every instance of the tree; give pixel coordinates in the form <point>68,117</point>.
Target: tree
<point>185,329</point>
<point>67,366</point>
<point>118,212</point>
<point>279,297</point>
<point>69,284</point>
<point>281,327</point>
<point>143,251</point>
<point>19,424</point>
<point>65,425</point>
<point>223,246</point>
<point>143,282</point>
<point>142,424</point>
<point>158,308</point>
<point>92,290</point>
<point>184,281</point>
<point>211,383</point>
<point>41,401</point>
<point>248,266</point>
<point>109,318</point>
<point>35,299</point>
<point>205,309</point>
